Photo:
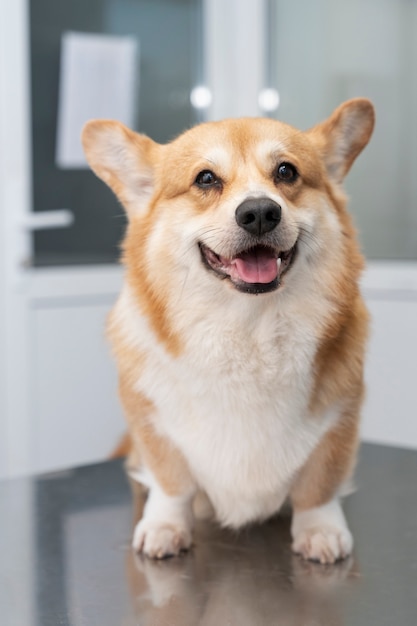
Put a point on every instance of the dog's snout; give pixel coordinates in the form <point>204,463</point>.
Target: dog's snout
<point>258,216</point>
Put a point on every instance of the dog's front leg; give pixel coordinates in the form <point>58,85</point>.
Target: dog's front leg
<point>319,529</point>
<point>167,522</point>
<point>166,526</point>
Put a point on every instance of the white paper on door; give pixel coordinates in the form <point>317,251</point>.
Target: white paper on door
<point>98,79</point>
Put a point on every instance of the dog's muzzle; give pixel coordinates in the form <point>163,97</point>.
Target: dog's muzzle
<point>259,264</point>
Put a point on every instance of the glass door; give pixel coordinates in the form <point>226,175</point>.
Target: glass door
<point>166,36</point>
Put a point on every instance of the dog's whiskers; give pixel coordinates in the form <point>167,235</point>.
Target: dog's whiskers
<point>308,239</point>
<point>207,234</point>
<point>183,285</point>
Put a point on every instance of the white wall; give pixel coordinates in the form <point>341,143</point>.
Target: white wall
<point>77,417</point>
<point>390,410</point>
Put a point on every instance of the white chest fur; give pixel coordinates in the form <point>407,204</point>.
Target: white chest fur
<point>235,403</point>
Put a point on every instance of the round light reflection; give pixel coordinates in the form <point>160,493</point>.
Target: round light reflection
<point>268,99</point>
<point>201,97</point>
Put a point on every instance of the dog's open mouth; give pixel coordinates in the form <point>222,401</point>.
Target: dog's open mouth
<point>256,270</point>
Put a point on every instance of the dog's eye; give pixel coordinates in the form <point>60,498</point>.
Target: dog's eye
<point>206,178</point>
<point>286,172</point>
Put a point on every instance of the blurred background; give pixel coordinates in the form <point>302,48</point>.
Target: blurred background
<point>161,66</point>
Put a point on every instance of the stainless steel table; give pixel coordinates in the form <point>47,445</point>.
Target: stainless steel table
<point>65,558</point>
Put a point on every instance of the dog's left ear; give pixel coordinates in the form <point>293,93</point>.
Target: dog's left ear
<point>343,136</point>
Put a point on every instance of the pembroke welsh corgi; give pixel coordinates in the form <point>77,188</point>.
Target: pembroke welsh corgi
<point>240,330</point>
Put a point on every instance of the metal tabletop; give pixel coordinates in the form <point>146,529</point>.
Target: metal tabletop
<point>65,558</point>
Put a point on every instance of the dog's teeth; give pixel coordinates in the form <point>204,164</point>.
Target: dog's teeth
<point>279,262</point>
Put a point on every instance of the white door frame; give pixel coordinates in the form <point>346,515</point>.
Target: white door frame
<point>235,55</point>
<point>15,247</point>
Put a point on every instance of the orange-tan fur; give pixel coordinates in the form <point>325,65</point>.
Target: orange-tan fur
<point>178,325</point>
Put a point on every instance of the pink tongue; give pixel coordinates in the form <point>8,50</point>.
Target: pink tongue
<point>256,266</point>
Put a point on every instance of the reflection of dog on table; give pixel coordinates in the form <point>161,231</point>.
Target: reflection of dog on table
<point>244,578</point>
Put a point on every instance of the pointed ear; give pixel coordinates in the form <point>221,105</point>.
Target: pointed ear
<point>343,136</point>
<point>123,160</point>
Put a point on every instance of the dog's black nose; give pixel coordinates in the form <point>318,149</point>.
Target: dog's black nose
<point>258,215</point>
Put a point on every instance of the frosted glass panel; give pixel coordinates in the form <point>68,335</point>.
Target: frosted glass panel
<point>327,51</point>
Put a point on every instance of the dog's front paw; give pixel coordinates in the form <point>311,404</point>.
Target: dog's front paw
<point>159,540</point>
<point>323,544</point>
<point>321,533</point>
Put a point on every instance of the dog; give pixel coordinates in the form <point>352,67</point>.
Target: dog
<point>240,330</point>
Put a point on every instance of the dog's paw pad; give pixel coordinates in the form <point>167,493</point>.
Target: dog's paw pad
<point>324,544</point>
<point>160,540</point>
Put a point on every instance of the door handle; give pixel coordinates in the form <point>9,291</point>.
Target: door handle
<point>60,218</point>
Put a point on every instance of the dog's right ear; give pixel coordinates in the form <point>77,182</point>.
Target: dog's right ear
<point>123,160</point>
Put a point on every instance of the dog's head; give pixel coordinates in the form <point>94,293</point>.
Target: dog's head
<point>238,204</point>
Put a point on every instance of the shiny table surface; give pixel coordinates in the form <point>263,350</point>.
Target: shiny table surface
<point>65,558</point>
